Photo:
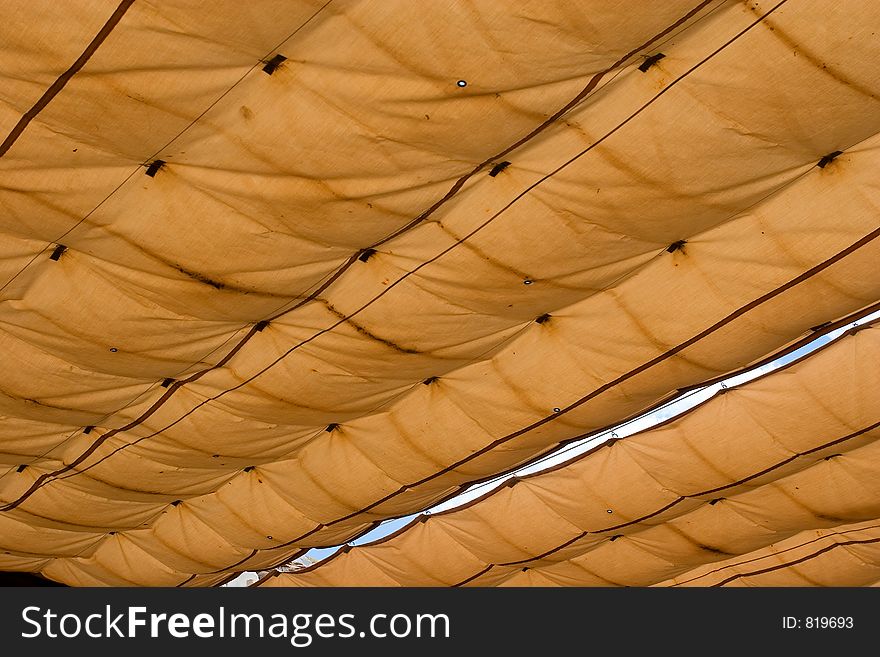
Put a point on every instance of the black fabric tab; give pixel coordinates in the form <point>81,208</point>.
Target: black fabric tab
<point>273,64</point>
<point>498,168</point>
<point>154,166</point>
<point>828,159</point>
<point>650,61</point>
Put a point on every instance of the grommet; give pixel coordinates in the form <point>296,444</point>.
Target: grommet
<point>608,511</point>
<point>269,537</point>
<point>462,83</point>
<point>114,349</point>
<point>528,281</point>
<point>556,409</point>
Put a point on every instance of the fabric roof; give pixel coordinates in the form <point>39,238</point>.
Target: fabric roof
<point>844,556</point>
<point>787,454</point>
<point>254,304</point>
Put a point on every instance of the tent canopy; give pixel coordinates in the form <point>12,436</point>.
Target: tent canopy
<point>275,272</point>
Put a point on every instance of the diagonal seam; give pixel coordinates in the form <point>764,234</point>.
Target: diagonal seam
<point>65,77</point>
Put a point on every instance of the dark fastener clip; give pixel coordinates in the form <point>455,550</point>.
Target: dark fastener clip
<point>650,61</point>
<point>498,168</point>
<point>154,166</point>
<point>828,159</point>
<point>273,64</point>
